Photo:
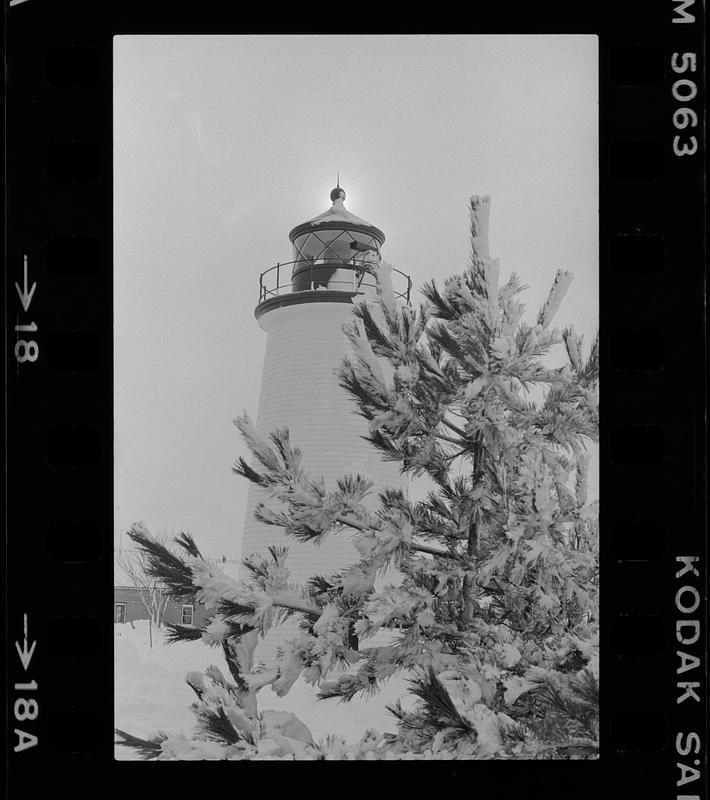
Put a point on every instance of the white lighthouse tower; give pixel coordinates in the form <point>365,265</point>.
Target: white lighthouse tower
<point>303,305</point>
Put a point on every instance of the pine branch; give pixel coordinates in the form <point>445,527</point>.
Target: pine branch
<point>231,608</point>
<point>318,585</point>
<point>385,445</point>
<point>479,216</point>
<point>182,633</point>
<point>258,568</point>
<point>590,371</point>
<point>187,542</point>
<point>422,548</point>
<point>586,688</point>
<point>148,748</point>
<point>352,522</point>
<point>439,710</point>
<point>283,601</point>
<point>439,305</point>
<point>163,565</point>
<point>216,725</point>
<point>278,553</point>
<point>442,437</point>
<point>242,468</point>
<point>454,428</point>
<point>348,520</point>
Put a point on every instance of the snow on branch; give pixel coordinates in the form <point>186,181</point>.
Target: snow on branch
<point>480,208</point>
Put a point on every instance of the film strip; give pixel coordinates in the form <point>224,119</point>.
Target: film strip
<point>59,643</point>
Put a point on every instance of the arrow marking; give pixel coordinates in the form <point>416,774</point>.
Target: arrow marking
<point>24,653</point>
<point>25,295</point>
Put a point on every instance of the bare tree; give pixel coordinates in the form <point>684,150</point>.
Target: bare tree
<point>151,591</point>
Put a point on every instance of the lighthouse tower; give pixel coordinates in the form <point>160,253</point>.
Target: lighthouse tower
<point>303,305</point>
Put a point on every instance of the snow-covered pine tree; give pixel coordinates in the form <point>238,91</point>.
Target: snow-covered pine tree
<point>496,612</point>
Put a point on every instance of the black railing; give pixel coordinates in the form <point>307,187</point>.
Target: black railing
<point>303,275</point>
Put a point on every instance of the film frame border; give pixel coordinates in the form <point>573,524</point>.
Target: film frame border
<point>59,422</point>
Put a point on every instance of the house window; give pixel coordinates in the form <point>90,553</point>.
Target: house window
<point>188,613</point>
<point>119,612</point>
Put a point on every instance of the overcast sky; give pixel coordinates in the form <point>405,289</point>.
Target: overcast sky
<point>222,144</point>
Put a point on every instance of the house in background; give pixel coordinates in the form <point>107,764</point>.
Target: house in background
<point>128,606</point>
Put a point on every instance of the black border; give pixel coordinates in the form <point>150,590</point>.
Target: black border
<point>39,494</point>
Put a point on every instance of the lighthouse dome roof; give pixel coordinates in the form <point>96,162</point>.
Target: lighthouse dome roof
<point>337,216</point>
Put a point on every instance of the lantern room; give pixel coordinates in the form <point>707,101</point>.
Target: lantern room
<point>329,248</point>
<point>334,255</point>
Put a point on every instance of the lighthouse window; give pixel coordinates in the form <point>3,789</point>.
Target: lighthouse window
<point>333,244</point>
<point>340,249</point>
<point>317,254</point>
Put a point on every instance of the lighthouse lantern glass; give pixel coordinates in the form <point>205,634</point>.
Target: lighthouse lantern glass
<point>317,254</point>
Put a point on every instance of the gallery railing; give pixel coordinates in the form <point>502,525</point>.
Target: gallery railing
<point>303,275</point>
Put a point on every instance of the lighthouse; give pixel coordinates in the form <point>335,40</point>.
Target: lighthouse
<point>303,305</point>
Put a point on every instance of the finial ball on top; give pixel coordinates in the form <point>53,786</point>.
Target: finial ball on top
<point>337,193</point>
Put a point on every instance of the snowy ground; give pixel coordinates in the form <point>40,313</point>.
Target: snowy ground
<point>151,692</point>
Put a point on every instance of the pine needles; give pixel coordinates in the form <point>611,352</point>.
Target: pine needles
<point>146,748</point>
<point>164,565</point>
